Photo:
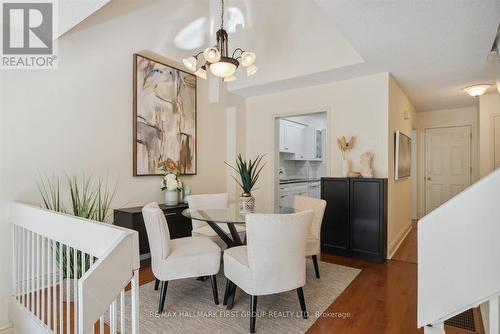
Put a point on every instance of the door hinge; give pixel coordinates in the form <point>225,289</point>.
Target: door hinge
<point>471,170</point>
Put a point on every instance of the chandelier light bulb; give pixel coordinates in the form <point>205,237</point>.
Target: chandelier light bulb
<point>190,63</point>
<point>477,90</point>
<point>211,54</point>
<point>251,70</point>
<point>247,58</point>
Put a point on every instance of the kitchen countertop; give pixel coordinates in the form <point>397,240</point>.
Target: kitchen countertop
<point>298,180</point>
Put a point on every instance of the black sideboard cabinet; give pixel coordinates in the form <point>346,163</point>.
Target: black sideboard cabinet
<point>355,221</point>
<point>178,225</point>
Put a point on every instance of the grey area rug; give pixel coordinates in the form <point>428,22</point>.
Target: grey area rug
<point>190,306</point>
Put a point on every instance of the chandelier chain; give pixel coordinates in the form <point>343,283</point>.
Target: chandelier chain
<point>222,15</point>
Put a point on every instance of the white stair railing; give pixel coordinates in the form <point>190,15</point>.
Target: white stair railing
<point>459,256</point>
<point>70,274</point>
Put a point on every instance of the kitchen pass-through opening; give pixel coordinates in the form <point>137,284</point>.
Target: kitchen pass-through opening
<point>301,148</point>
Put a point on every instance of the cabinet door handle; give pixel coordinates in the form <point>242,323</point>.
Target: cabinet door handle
<point>282,196</point>
<point>170,214</point>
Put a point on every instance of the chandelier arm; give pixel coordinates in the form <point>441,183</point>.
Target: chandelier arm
<point>238,49</point>
<point>199,53</point>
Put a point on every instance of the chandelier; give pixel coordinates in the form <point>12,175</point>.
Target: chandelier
<point>217,58</point>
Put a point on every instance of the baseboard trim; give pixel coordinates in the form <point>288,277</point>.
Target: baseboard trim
<point>397,243</point>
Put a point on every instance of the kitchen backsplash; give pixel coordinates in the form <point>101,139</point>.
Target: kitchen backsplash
<point>301,169</point>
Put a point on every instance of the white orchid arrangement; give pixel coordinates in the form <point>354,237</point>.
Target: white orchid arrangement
<point>171,180</point>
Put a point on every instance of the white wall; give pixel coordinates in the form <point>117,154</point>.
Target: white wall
<point>489,105</point>
<point>399,213</point>
<point>79,117</point>
<point>355,107</point>
<point>443,118</point>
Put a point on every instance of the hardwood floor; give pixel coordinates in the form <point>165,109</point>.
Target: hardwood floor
<point>382,298</point>
<point>407,252</point>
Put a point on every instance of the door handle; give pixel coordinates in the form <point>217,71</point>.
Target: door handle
<point>170,214</point>
<point>428,178</point>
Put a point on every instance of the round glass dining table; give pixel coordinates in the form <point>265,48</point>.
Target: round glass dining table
<point>230,216</point>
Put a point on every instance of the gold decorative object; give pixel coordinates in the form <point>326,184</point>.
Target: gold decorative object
<point>345,145</point>
<point>354,174</point>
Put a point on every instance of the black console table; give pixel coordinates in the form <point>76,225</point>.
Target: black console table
<point>355,221</point>
<point>178,225</point>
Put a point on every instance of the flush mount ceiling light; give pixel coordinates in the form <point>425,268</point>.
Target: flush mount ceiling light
<point>217,58</point>
<point>477,90</point>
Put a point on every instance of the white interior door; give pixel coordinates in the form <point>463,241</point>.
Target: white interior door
<point>447,164</point>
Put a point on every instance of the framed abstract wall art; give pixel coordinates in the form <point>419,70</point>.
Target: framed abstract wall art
<point>164,116</point>
<point>402,156</point>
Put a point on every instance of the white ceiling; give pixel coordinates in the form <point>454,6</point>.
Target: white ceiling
<point>433,48</point>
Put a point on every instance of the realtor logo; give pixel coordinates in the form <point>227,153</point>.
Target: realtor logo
<point>28,34</point>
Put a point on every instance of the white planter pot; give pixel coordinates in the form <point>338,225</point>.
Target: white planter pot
<point>247,204</point>
<point>171,197</point>
<point>345,167</point>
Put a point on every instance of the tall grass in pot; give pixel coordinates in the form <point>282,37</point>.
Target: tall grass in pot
<point>89,198</point>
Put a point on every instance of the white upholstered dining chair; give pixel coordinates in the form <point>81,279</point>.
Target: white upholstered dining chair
<point>273,260</point>
<point>313,245</point>
<point>178,258</point>
<point>211,201</point>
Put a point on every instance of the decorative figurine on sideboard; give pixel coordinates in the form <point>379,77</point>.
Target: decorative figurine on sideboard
<point>366,164</point>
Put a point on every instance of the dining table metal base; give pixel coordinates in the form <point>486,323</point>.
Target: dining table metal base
<point>232,241</point>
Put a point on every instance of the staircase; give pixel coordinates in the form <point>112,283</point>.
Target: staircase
<point>71,274</point>
<point>459,257</point>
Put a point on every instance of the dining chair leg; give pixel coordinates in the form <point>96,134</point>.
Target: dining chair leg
<point>157,283</point>
<point>315,262</point>
<point>300,293</point>
<point>232,293</point>
<point>226,292</point>
<point>163,296</point>
<point>213,280</point>
<point>253,313</point>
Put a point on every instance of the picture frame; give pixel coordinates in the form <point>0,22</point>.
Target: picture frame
<point>164,116</point>
<point>402,156</point>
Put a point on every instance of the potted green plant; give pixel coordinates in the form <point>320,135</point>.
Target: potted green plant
<point>90,199</point>
<point>249,172</point>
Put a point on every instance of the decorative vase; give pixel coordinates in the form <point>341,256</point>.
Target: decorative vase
<point>187,193</point>
<point>247,203</point>
<point>345,167</point>
<point>171,197</point>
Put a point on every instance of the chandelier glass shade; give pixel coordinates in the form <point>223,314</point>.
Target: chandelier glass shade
<point>217,58</point>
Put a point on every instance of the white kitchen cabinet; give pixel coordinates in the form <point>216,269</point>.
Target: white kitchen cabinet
<point>314,189</point>
<point>288,192</point>
<point>290,137</point>
<point>307,144</point>
<point>282,136</point>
